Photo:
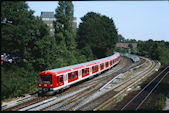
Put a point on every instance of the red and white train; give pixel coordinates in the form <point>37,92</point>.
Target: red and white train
<point>53,80</point>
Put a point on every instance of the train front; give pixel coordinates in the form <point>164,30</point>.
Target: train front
<point>45,83</point>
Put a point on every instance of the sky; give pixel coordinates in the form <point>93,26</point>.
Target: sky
<point>140,20</point>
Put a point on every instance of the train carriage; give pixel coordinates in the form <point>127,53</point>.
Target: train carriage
<point>53,80</point>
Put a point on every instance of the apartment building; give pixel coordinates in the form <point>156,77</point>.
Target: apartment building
<point>48,18</point>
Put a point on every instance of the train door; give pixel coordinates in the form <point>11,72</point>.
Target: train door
<point>90,70</point>
<point>110,62</point>
<point>60,80</point>
<point>80,74</point>
<point>65,79</point>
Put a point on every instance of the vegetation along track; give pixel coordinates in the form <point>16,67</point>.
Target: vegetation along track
<point>125,85</point>
<point>74,99</point>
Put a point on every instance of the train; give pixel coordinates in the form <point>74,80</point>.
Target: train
<point>55,80</point>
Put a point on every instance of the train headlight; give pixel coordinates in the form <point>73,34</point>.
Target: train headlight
<point>51,85</point>
<point>39,84</point>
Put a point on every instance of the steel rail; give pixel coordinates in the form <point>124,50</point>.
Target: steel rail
<point>143,89</point>
<point>107,102</point>
<point>151,91</point>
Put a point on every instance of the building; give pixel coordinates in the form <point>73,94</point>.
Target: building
<point>75,23</point>
<point>126,45</point>
<point>48,18</point>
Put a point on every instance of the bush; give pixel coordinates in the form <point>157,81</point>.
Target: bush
<point>16,81</point>
<point>160,103</point>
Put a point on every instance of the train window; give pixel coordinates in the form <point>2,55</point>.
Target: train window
<point>85,71</point>
<point>61,78</point>
<point>69,76</point>
<point>82,71</point>
<point>76,73</point>
<point>73,74</point>
<point>46,79</point>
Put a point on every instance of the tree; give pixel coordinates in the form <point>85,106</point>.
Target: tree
<point>130,46</point>
<point>65,34</point>
<point>157,50</point>
<point>15,30</point>
<point>163,55</point>
<point>121,38</point>
<point>26,35</point>
<point>97,32</point>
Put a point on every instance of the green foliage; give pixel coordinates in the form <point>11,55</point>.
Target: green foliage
<point>163,55</point>
<point>26,35</point>
<point>158,50</point>
<point>65,34</point>
<point>148,101</point>
<point>86,51</point>
<point>123,50</point>
<point>15,81</point>
<point>97,32</point>
<point>160,103</point>
<point>130,46</point>
<point>121,39</point>
<point>15,23</point>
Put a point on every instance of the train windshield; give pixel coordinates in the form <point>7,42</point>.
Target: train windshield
<point>46,79</point>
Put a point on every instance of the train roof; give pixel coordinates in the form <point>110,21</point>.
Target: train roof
<point>82,65</point>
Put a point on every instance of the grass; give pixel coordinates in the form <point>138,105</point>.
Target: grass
<point>149,101</point>
<point>160,103</point>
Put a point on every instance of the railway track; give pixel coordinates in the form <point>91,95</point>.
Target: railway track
<point>74,96</point>
<point>138,100</point>
<point>132,81</point>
